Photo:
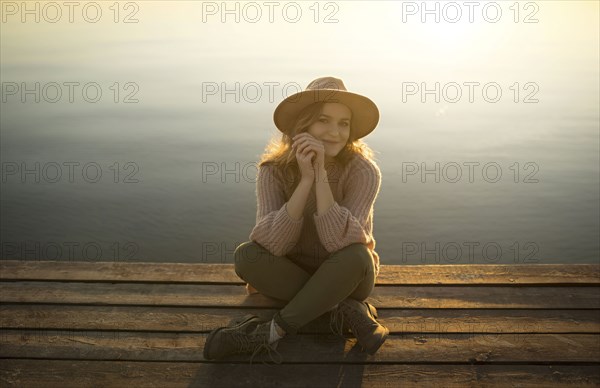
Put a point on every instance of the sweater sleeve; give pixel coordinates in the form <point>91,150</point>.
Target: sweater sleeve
<point>351,221</point>
<point>275,230</point>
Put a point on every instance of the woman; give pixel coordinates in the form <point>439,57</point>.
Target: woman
<point>312,245</point>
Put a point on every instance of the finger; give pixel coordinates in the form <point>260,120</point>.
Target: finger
<point>303,147</point>
<point>312,141</point>
<point>307,155</point>
<point>304,139</point>
<point>301,155</point>
<point>304,154</point>
<point>310,147</point>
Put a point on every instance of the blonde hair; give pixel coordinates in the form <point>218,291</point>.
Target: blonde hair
<point>279,152</point>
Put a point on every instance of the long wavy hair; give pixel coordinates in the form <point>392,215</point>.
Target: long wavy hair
<point>279,151</point>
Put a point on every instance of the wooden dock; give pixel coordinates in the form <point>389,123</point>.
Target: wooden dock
<point>84,324</point>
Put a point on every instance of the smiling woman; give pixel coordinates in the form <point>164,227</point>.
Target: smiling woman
<point>313,239</point>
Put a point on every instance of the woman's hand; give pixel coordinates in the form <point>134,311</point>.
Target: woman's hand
<point>305,143</point>
<point>305,157</point>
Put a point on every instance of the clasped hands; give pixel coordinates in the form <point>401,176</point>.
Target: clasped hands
<point>310,149</point>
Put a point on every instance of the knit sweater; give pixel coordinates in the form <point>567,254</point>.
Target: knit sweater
<point>313,238</point>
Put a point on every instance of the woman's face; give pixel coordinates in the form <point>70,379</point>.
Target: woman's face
<point>332,128</point>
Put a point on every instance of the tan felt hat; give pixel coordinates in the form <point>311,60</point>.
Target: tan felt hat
<point>365,114</point>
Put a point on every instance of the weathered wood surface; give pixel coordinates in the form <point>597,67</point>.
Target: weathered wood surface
<point>75,373</point>
<point>144,324</point>
<point>177,346</point>
<point>226,295</point>
<point>467,274</point>
<point>204,319</point>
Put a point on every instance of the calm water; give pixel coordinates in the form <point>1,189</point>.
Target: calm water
<point>187,194</point>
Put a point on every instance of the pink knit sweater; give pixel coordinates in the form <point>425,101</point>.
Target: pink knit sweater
<point>313,238</point>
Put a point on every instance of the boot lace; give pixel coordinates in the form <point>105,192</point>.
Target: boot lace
<point>353,317</point>
<point>256,344</point>
<point>336,322</point>
<point>271,350</point>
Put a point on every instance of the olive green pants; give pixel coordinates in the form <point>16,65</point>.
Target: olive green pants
<point>310,292</point>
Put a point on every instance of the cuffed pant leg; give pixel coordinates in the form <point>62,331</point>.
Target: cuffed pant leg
<point>349,272</point>
<point>274,276</point>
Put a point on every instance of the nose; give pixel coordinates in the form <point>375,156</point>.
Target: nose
<point>335,129</point>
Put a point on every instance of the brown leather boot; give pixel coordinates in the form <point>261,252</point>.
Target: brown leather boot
<point>360,318</point>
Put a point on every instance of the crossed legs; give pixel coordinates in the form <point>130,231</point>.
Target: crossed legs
<point>348,272</point>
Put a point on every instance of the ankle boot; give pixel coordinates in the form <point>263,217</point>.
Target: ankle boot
<point>340,327</point>
<point>251,335</point>
<point>360,318</point>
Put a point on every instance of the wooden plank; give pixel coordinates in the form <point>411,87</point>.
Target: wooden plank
<point>521,297</point>
<point>68,373</point>
<point>581,274</point>
<point>118,272</point>
<point>409,348</point>
<point>193,319</point>
<point>491,274</point>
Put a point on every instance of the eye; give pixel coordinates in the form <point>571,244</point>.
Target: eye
<point>323,120</point>
<point>345,123</point>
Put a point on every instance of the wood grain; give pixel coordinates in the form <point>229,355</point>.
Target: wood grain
<point>465,274</point>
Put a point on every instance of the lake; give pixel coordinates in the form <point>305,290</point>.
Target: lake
<point>132,131</point>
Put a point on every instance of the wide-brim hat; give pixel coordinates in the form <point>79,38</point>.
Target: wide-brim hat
<point>365,114</point>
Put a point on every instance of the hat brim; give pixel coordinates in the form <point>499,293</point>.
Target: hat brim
<point>365,114</point>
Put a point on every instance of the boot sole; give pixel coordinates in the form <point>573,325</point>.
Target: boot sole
<point>213,333</point>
